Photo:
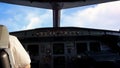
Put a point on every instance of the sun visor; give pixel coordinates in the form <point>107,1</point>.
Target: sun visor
<point>4,37</point>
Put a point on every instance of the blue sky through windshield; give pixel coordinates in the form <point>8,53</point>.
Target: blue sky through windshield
<point>100,16</point>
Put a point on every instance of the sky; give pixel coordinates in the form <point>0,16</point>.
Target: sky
<point>104,16</point>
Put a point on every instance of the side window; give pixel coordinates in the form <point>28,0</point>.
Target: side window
<point>95,46</point>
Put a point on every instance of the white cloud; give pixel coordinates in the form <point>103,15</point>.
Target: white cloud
<point>22,18</point>
<point>35,20</point>
<point>9,24</point>
<point>102,16</point>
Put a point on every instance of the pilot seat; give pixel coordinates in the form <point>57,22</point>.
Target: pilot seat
<point>4,42</point>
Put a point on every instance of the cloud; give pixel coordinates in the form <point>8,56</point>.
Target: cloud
<point>9,24</point>
<point>18,18</point>
<point>102,16</point>
<point>35,20</point>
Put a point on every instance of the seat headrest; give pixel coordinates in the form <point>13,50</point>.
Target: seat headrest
<point>4,37</point>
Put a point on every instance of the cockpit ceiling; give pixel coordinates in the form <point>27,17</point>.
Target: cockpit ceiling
<point>48,4</point>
